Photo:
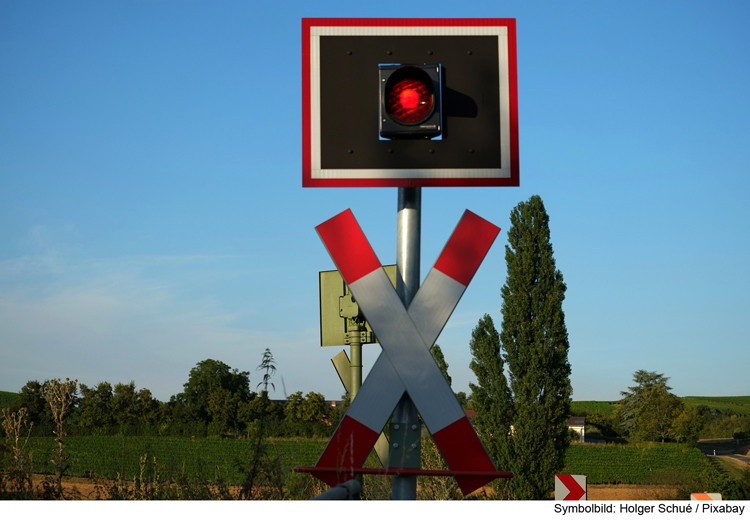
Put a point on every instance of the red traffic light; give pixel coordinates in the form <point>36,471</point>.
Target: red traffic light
<point>410,100</point>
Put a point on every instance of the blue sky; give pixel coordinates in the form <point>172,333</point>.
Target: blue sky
<point>152,213</point>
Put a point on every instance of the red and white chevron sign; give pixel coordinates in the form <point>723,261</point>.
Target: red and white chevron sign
<point>570,487</point>
<point>406,364</point>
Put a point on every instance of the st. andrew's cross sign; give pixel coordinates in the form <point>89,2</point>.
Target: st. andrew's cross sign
<point>409,102</point>
<point>406,364</point>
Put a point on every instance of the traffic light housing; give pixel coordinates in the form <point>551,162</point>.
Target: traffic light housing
<point>410,101</point>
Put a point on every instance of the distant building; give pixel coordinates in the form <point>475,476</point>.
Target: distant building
<point>577,424</point>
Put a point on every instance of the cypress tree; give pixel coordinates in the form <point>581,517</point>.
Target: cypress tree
<point>490,399</point>
<point>535,341</point>
<point>437,354</point>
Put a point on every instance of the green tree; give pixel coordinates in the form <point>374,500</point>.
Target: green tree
<point>225,412</point>
<point>95,409</point>
<point>311,408</point>
<point>463,400</point>
<point>634,398</point>
<point>657,415</point>
<point>31,397</point>
<point>437,354</point>
<point>206,378</point>
<point>309,415</point>
<point>535,340</point>
<point>688,425</point>
<point>490,397</point>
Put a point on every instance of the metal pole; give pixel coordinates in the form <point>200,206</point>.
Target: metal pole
<point>405,431</point>
<point>349,490</point>
<point>355,349</point>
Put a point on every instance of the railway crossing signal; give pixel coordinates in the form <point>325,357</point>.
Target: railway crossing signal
<point>449,86</point>
<point>446,103</point>
<point>406,336</point>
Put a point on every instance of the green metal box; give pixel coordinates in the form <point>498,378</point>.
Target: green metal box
<point>337,303</point>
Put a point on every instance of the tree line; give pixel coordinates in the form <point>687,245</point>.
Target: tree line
<point>216,401</point>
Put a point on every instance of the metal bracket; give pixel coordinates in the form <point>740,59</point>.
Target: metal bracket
<point>361,337</point>
<point>405,444</point>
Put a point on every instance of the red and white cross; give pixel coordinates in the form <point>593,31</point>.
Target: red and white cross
<point>406,337</point>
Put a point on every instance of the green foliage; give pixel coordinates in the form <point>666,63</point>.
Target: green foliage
<point>686,428</point>
<point>7,399</point>
<point>463,399</point>
<point>490,397</point>
<point>584,408</point>
<point>535,340</point>
<point>648,383</point>
<point>39,413</point>
<point>311,408</point>
<point>657,415</point>
<point>600,418</point>
<point>723,426</point>
<point>437,354</point>
<point>635,464</point>
<point>96,413</point>
<point>104,410</point>
<point>649,412</point>
<point>722,405</point>
<point>213,380</point>
<point>308,416</point>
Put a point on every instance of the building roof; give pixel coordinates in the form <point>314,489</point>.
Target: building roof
<point>576,422</point>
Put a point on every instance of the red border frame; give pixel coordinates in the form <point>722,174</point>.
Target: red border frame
<point>307,180</point>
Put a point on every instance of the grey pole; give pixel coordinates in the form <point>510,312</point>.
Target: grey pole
<point>355,368</point>
<point>354,330</point>
<point>349,490</point>
<point>405,432</point>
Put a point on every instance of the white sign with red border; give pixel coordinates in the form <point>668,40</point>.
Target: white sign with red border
<point>315,174</point>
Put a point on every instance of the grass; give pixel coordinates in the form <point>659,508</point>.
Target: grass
<point>731,468</point>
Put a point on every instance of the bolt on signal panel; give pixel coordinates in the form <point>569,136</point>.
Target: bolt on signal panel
<point>454,122</point>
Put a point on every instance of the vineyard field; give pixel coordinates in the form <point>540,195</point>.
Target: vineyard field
<point>725,405</point>
<point>589,407</point>
<point>647,464</point>
<point>206,459</point>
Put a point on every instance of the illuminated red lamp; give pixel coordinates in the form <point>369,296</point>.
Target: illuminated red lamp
<point>410,101</point>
